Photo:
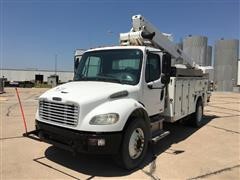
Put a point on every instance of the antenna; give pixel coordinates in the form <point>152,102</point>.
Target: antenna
<point>55,64</point>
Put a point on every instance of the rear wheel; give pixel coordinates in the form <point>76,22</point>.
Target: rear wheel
<point>197,118</point>
<point>134,144</point>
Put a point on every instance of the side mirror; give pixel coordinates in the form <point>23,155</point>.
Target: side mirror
<point>155,85</point>
<point>165,79</point>
<point>166,68</point>
<point>150,85</point>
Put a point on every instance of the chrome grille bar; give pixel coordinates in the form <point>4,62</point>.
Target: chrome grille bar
<point>61,113</point>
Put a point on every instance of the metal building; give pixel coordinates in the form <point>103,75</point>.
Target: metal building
<point>208,61</point>
<point>30,74</point>
<point>238,76</point>
<point>1,85</point>
<point>196,48</point>
<point>226,54</point>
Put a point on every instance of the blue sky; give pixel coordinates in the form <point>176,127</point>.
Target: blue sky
<point>33,31</point>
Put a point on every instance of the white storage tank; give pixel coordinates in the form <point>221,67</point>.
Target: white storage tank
<point>196,48</point>
<point>209,56</point>
<point>226,54</point>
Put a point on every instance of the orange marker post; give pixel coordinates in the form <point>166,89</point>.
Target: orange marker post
<point>21,108</point>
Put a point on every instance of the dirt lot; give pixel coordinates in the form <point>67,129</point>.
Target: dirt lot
<point>210,152</point>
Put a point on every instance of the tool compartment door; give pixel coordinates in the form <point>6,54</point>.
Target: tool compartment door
<point>191,96</point>
<point>185,97</point>
<point>178,99</point>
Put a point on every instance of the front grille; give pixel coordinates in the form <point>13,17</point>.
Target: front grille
<point>62,113</point>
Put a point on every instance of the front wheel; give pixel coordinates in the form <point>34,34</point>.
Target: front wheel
<point>134,144</point>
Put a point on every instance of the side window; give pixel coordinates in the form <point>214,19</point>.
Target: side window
<point>92,67</point>
<point>152,71</point>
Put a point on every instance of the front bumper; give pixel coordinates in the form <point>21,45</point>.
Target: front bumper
<point>79,141</point>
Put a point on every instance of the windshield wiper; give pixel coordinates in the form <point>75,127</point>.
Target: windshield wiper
<point>105,78</point>
<point>100,78</point>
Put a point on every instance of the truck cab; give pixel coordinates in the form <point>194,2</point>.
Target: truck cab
<point>135,70</point>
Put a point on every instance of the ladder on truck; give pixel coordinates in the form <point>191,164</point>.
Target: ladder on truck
<point>144,33</point>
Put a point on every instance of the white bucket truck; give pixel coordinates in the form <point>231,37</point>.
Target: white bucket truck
<point>121,95</point>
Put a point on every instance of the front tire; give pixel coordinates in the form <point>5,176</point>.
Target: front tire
<point>134,144</point>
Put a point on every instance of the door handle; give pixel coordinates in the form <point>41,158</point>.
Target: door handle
<point>162,94</point>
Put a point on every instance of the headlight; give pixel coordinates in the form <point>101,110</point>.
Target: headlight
<point>104,119</point>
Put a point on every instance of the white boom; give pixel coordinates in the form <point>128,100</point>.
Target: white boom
<point>144,33</point>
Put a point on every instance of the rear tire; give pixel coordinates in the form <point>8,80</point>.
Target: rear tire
<point>197,118</point>
<point>134,144</point>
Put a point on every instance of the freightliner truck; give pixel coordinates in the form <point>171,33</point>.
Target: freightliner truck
<point>121,95</point>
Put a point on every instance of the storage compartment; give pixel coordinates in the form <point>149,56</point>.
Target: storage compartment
<point>182,96</point>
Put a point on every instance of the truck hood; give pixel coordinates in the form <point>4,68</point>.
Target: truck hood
<point>88,91</point>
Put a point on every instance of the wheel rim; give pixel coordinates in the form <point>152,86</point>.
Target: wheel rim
<point>136,143</point>
<point>199,114</point>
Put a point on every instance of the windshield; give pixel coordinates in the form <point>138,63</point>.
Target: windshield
<point>119,66</point>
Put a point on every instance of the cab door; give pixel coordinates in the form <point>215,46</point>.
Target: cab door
<point>153,93</point>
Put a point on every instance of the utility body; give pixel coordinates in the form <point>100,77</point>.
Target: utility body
<point>121,96</point>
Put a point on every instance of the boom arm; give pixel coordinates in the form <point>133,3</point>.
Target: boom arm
<point>144,33</point>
